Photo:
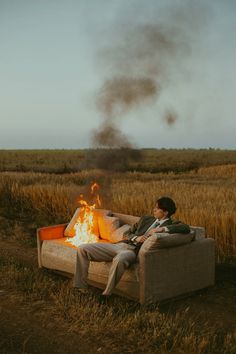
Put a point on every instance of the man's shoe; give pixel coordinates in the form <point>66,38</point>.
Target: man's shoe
<point>82,290</point>
<point>104,299</point>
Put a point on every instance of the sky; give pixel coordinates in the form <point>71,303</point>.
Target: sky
<point>59,57</point>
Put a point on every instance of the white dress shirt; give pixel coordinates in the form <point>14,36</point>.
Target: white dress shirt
<point>156,223</point>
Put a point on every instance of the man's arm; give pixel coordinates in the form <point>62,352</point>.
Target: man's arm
<point>131,233</point>
<point>178,228</point>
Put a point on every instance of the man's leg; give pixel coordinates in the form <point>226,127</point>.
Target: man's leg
<point>125,256</point>
<point>99,252</point>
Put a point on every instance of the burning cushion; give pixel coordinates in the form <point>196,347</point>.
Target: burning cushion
<point>165,240</point>
<point>107,225</point>
<point>98,213</point>
<point>70,231</point>
<point>117,235</point>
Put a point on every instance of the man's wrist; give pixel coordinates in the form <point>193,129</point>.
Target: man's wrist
<point>133,238</point>
<point>161,229</point>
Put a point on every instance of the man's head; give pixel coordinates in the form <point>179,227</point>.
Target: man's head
<point>164,208</point>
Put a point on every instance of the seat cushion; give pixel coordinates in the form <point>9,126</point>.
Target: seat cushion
<point>60,255</point>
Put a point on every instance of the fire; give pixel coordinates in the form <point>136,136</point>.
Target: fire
<point>84,225</point>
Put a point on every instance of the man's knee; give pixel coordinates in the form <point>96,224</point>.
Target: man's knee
<point>84,249</point>
<point>125,257</point>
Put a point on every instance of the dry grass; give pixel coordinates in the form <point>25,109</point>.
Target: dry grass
<point>120,327</point>
<point>204,198</point>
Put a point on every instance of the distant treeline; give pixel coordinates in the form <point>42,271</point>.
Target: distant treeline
<point>142,160</point>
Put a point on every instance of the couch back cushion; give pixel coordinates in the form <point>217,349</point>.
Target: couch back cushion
<point>107,225</point>
<point>70,230</point>
<point>166,240</point>
<point>126,219</point>
<point>117,235</point>
<point>199,231</point>
<point>98,213</point>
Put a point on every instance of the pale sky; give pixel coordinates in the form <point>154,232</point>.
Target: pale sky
<point>57,54</point>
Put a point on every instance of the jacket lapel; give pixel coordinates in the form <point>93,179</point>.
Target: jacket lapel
<point>167,222</point>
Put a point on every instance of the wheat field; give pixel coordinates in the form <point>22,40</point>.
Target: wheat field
<point>28,200</point>
<point>205,197</point>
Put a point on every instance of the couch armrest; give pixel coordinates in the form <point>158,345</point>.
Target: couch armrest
<point>51,232</point>
<point>168,272</point>
<point>48,233</point>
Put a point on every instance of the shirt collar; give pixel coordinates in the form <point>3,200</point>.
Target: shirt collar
<point>162,220</point>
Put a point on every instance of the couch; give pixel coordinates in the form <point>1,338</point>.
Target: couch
<point>163,270</point>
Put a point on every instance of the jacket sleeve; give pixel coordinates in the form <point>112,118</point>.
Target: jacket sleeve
<point>129,234</point>
<point>178,228</point>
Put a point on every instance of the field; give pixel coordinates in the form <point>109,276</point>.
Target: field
<point>43,314</point>
<point>144,160</point>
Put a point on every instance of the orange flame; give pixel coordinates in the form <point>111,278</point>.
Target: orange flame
<point>84,224</point>
<point>94,186</point>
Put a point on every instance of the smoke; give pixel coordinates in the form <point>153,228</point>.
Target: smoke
<point>120,94</point>
<point>110,136</point>
<point>113,159</point>
<point>138,65</point>
<point>116,97</point>
<point>146,50</point>
<point>170,117</point>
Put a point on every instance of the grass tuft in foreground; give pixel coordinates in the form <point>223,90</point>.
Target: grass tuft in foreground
<point>117,327</point>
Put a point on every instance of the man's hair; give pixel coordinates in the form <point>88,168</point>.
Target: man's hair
<point>166,204</point>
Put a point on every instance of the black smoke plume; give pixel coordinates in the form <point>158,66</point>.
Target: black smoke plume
<point>139,65</point>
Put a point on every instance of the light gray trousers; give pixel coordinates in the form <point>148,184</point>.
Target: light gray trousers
<point>121,255</point>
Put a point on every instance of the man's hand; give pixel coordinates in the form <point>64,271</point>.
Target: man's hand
<point>155,230</point>
<point>141,239</point>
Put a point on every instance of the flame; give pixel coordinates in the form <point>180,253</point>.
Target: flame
<point>84,224</point>
<point>93,187</point>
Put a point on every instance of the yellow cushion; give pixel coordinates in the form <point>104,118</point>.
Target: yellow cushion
<point>107,225</point>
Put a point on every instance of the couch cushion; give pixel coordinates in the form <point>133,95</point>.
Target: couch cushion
<point>117,235</point>
<point>98,213</point>
<point>107,225</point>
<point>166,240</point>
<point>70,231</point>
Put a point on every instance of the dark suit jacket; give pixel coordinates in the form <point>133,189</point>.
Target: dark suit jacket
<point>138,229</point>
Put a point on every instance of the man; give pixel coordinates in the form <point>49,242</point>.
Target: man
<point>124,253</point>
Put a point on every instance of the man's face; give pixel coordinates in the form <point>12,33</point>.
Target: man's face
<point>159,213</point>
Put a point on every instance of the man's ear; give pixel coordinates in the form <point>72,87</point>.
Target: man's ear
<point>166,214</point>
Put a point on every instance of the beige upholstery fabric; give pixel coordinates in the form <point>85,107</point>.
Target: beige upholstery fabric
<point>199,231</point>
<point>128,285</point>
<point>117,235</point>
<point>159,274</point>
<point>107,225</point>
<point>60,255</point>
<point>168,272</point>
<point>166,240</point>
